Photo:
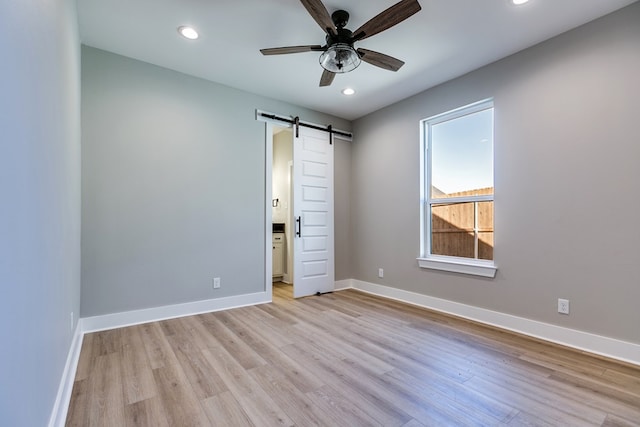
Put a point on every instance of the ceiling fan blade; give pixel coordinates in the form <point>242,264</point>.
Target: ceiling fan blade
<point>327,78</point>
<point>319,13</point>
<point>380,59</point>
<point>387,19</point>
<point>291,49</point>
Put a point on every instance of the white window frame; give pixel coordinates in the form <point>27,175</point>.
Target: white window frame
<point>477,267</point>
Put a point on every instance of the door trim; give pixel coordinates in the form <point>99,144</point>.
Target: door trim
<point>268,217</point>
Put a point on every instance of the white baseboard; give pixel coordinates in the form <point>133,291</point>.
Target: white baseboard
<point>341,285</point>
<point>597,344</point>
<point>61,406</point>
<point>136,317</point>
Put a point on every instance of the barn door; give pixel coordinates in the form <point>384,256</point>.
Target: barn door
<point>313,269</point>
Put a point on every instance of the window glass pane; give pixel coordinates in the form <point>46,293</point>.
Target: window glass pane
<point>485,245</point>
<point>452,231</point>
<point>462,230</point>
<point>485,230</point>
<point>462,156</point>
<point>485,216</point>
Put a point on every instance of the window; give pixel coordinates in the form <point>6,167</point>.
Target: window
<point>457,191</point>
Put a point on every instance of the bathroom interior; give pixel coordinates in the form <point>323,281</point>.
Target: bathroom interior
<point>282,211</point>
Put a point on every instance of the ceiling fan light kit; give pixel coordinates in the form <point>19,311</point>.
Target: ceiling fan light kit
<point>340,58</point>
<point>338,54</point>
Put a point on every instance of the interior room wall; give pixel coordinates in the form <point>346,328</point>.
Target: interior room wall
<point>40,204</point>
<point>566,183</point>
<point>173,173</point>
<point>342,208</point>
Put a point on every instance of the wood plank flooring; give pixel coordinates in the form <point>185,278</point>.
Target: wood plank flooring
<point>342,359</point>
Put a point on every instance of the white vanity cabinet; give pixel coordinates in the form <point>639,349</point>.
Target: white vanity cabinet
<point>278,254</point>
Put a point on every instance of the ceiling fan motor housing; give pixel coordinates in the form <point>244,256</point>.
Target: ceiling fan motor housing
<point>340,18</point>
<point>342,36</point>
<point>339,34</point>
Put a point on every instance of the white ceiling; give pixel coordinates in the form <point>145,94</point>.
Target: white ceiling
<point>446,39</point>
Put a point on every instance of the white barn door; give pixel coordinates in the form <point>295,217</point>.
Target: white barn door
<point>313,269</point>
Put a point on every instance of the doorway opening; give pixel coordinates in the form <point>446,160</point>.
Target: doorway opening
<point>282,211</point>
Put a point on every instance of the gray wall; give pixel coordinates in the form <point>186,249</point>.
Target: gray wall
<point>342,208</point>
<point>39,203</point>
<point>172,185</point>
<point>567,147</point>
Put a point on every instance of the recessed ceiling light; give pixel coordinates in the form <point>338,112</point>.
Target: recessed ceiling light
<point>348,91</point>
<point>519,2</point>
<point>188,32</point>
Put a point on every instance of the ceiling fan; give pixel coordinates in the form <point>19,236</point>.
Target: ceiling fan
<point>338,54</point>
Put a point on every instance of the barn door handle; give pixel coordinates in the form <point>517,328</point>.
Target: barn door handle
<point>298,227</point>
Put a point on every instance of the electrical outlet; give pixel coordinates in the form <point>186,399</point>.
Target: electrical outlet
<point>563,306</point>
<point>380,273</point>
<point>216,282</point>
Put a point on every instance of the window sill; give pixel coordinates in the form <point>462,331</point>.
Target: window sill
<point>460,265</point>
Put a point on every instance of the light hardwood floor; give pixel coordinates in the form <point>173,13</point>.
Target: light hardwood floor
<point>342,359</point>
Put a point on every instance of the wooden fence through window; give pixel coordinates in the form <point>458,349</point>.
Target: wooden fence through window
<point>454,227</point>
